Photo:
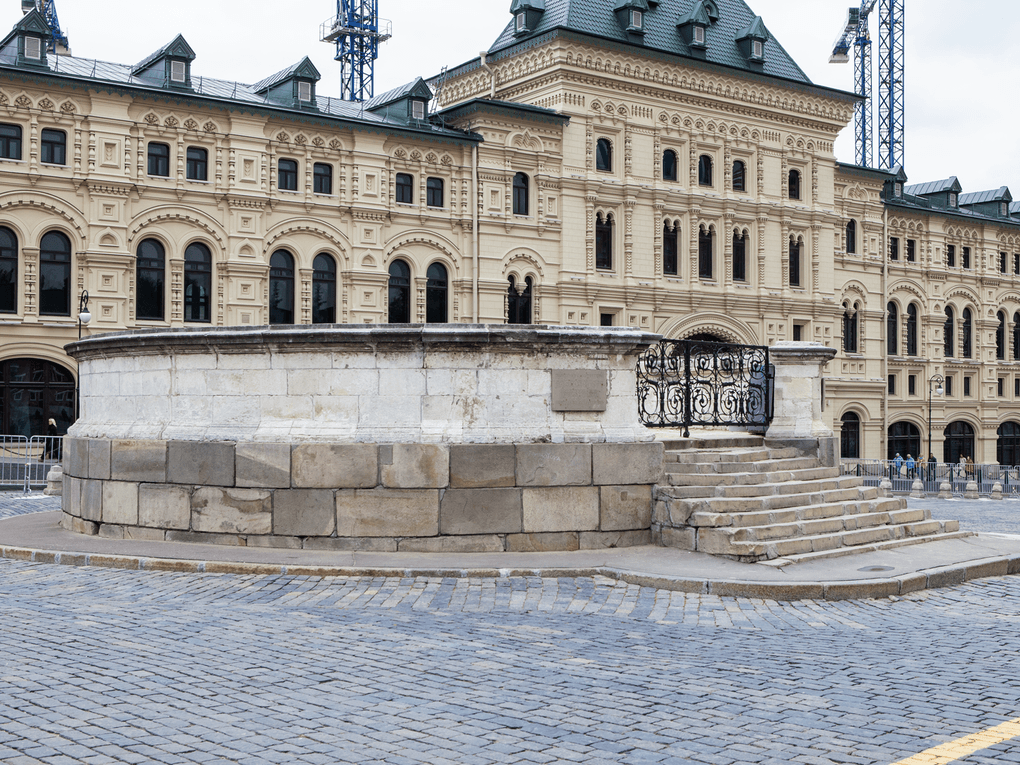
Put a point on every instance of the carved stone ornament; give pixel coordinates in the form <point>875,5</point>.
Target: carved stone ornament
<point>318,141</point>
<point>209,127</point>
<point>4,100</point>
<point>430,157</point>
<point>400,154</point>
<point>446,160</point>
<point>171,122</point>
<point>68,107</point>
<point>416,155</point>
<point>23,101</point>
<point>46,104</point>
<point>335,144</point>
<point>282,137</point>
<point>190,124</point>
<point>152,119</point>
<point>301,138</point>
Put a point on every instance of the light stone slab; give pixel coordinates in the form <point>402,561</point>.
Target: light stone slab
<point>625,507</point>
<point>481,511</point>
<point>568,508</point>
<point>304,512</point>
<point>120,502</point>
<point>414,466</point>
<point>553,465</point>
<point>231,511</point>
<point>387,512</point>
<point>328,466</point>
<point>164,506</point>
<point>262,465</point>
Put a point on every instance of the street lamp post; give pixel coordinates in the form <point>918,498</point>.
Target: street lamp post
<point>84,317</point>
<point>938,380</point>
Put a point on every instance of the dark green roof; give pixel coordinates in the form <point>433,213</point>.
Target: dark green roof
<point>304,69</point>
<point>526,111</point>
<point>597,19</point>
<point>1000,194</point>
<point>178,48</point>
<point>934,187</point>
<point>416,88</point>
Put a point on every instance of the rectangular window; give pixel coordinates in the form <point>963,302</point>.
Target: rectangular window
<point>670,247</point>
<point>912,385</point>
<point>33,47</point>
<point>322,178</point>
<point>705,254</point>
<point>699,35</point>
<point>892,385</point>
<point>178,71</point>
<point>405,189</point>
<point>952,199</point>
<point>1002,386</point>
<point>966,385</point>
<point>521,22</point>
<point>965,258</point>
<point>949,385</point>
<point>417,109</point>
<point>739,258</point>
<point>794,264</point>
<point>10,141</point>
<point>286,176</point>
<point>159,159</point>
<point>606,319</point>
<point>198,164</point>
<point>1016,387</point>
<point>53,147</point>
<point>434,192</point>
<point>635,19</point>
<point>758,49</point>
<point>798,332</point>
<point>304,90</point>
<point>1016,263</point>
<point>911,254</point>
<point>951,256</point>
<point>894,248</point>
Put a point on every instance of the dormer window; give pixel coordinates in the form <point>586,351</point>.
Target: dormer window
<point>636,17</point>
<point>527,15</point>
<point>178,72</point>
<point>1003,209</point>
<point>898,189</point>
<point>952,198</point>
<point>33,47</point>
<point>699,35</point>
<point>304,90</point>
<point>758,50</point>
<point>522,22</point>
<point>417,109</point>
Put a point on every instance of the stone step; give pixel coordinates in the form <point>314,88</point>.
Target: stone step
<point>790,487</point>
<point>776,501</point>
<point>762,466</point>
<point>736,441</point>
<point>848,510</point>
<point>742,455</point>
<point>748,479</point>
<point>948,530</point>
<point>797,529</point>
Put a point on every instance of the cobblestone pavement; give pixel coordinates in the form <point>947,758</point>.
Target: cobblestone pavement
<point>105,666</point>
<point>18,503</point>
<point>981,515</point>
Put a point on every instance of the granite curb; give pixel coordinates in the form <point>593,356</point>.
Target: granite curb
<point>931,578</point>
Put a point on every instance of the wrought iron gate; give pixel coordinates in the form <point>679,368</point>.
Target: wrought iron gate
<point>695,382</point>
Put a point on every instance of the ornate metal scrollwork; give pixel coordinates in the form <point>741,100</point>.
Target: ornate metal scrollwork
<point>694,382</point>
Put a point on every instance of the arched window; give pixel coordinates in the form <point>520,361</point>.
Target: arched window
<point>1007,449</point>
<point>1016,337</point>
<point>669,165</point>
<point>435,294</point>
<point>739,256</point>
<point>670,249</point>
<point>912,330</point>
<point>197,282</point>
<point>794,187</point>
<point>851,236</point>
<point>706,242</point>
<point>520,194</point>
<point>965,329</point>
<point>904,438</point>
<point>604,241</point>
<point>323,290</point>
<point>704,170</point>
<point>949,340</point>
<point>604,155</point>
<point>281,288</point>
<point>150,271</point>
<point>849,328</point>
<point>739,176</point>
<point>55,275</point>
<point>31,392</point>
<point>1000,337</point>
<point>399,293</point>
<point>8,272</point>
<point>519,303</point>
<point>959,442</point>
<point>850,436</point>
<point>794,262</point>
<point>892,329</point>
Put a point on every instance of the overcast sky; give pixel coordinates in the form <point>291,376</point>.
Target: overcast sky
<point>961,66</point>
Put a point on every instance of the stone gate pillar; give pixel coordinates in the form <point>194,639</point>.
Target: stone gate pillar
<point>797,413</point>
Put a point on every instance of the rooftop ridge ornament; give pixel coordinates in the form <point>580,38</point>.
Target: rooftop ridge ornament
<point>357,31</point>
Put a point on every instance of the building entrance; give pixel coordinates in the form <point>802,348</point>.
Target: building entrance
<point>31,392</point>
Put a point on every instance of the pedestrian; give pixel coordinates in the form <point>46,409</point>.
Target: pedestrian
<point>51,449</point>
<point>970,467</point>
<point>910,466</point>
<point>932,462</point>
<point>897,463</point>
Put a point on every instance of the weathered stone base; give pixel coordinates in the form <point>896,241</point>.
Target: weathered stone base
<point>385,497</point>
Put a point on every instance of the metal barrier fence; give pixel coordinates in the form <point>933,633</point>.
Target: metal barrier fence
<point>934,474</point>
<point>24,462</point>
<point>693,382</point>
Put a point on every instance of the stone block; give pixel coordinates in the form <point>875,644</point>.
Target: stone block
<point>482,466</point>
<point>288,543</point>
<point>138,460</point>
<point>202,538</point>
<point>76,457</point>
<point>99,458</point>
<point>387,512</point>
<point>120,503</point>
<point>262,466</point>
<point>678,539</point>
<point>143,534</point>
<point>604,540</point>
<point>351,544</point>
<point>206,463</point>
<point>461,544</point>
<point>414,466</point>
<point>625,507</point>
<point>111,531</point>
<point>567,508</point>
<point>81,526</point>
<point>480,511</point>
<point>627,463</point>
<point>549,542</point>
<point>334,466</point>
<point>579,390</point>
<point>164,506</point>
<point>92,500</point>
<point>231,511</point>
<point>553,464</point>
<point>304,512</point>
<point>70,498</point>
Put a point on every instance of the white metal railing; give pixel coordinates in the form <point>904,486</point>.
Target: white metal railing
<point>24,461</point>
<point>933,474</point>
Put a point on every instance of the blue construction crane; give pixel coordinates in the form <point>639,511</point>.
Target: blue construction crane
<point>48,8</point>
<point>357,31</point>
<point>856,34</point>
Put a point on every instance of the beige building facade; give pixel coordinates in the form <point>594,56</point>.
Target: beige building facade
<point>671,172</point>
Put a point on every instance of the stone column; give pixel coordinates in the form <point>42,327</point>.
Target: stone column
<point>797,413</point>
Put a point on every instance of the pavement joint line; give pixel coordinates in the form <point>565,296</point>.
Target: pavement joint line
<point>859,589</point>
<point>965,745</point>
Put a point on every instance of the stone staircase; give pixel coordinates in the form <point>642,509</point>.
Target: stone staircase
<point>748,499</point>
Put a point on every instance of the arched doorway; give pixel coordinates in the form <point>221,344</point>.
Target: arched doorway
<point>706,337</point>
<point>850,436</point>
<point>904,439</point>
<point>1007,449</point>
<point>31,392</point>
<point>959,442</point>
